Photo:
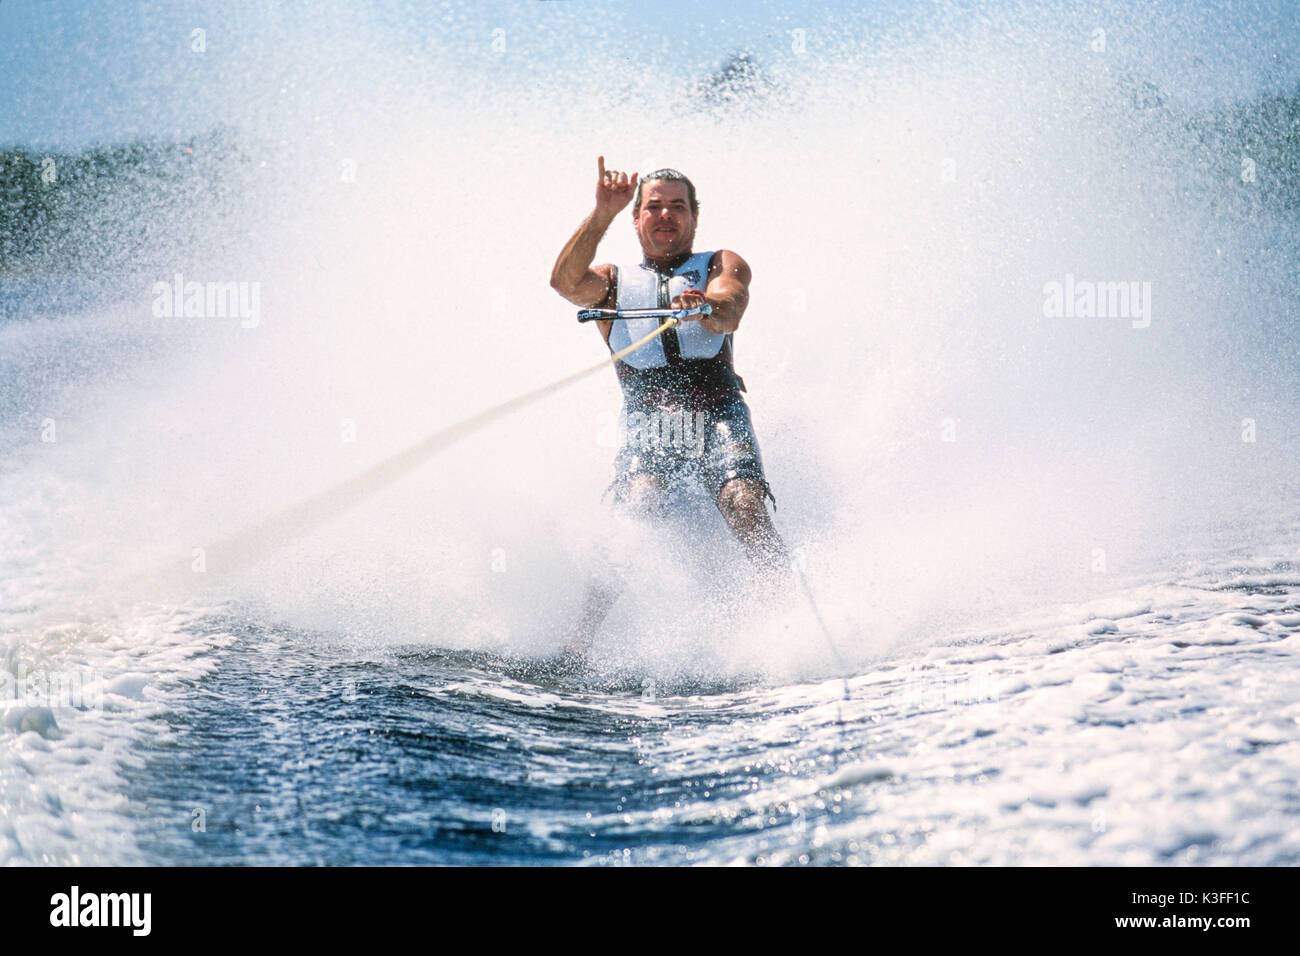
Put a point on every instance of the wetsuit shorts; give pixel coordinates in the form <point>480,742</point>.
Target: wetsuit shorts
<point>709,443</point>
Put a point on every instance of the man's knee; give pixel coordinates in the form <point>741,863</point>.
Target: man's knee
<point>643,495</point>
<point>741,502</point>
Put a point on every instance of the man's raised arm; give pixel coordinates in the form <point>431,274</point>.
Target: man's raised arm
<point>573,277</point>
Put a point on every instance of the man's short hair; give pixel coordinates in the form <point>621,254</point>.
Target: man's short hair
<point>666,175</point>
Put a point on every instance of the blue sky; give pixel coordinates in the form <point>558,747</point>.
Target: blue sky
<point>80,71</point>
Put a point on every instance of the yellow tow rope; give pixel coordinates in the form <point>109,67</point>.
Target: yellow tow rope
<point>268,535</point>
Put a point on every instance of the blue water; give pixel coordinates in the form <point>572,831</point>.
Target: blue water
<point>303,751</point>
<point>1048,745</point>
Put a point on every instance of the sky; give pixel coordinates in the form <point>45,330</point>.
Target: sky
<point>75,72</point>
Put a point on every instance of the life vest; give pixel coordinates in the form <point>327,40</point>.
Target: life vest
<point>684,364</point>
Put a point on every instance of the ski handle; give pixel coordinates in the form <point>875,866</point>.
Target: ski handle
<point>591,315</point>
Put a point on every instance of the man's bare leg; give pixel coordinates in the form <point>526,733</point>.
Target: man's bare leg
<point>742,504</point>
<point>596,605</point>
<point>643,498</point>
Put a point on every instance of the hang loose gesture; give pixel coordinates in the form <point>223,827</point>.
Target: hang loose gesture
<point>613,189</point>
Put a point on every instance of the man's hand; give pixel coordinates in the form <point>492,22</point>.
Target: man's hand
<point>690,299</point>
<point>613,189</point>
<point>573,275</point>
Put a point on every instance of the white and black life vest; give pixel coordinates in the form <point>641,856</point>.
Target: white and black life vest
<point>686,362</point>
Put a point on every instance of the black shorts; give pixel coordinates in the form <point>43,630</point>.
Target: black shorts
<point>708,444</point>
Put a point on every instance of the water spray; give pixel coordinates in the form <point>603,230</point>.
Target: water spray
<point>257,541</point>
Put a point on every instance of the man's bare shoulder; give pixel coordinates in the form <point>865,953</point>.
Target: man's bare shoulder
<point>726,262</point>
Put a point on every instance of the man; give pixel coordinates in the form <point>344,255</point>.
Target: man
<point>683,378</point>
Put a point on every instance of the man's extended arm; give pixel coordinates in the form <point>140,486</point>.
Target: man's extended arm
<point>727,291</point>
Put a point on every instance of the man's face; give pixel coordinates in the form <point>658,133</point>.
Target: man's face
<point>664,223</point>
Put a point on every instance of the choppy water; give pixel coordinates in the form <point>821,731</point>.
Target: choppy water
<point>1156,727</point>
<point>1059,559</point>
